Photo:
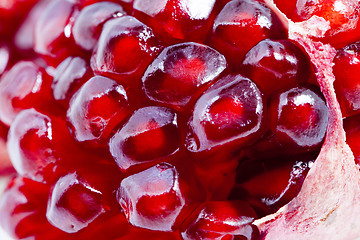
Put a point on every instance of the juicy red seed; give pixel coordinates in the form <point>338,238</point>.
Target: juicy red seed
<point>69,76</point>
<point>87,26</point>
<point>155,198</point>
<point>98,106</point>
<point>352,129</point>
<point>221,220</point>
<point>277,64</point>
<point>299,118</point>
<point>126,46</point>
<point>241,25</point>
<point>12,12</point>
<point>38,145</point>
<point>73,204</point>
<point>53,31</point>
<point>150,134</point>
<point>181,72</point>
<point>270,184</point>
<point>24,38</point>
<point>23,206</point>
<point>346,69</point>
<point>229,111</point>
<point>175,20</point>
<point>341,14</point>
<point>25,85</point>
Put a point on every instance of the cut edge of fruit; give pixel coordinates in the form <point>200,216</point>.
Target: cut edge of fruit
<point>333,198</point>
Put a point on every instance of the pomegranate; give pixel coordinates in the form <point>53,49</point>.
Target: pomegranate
<point>180,119</point>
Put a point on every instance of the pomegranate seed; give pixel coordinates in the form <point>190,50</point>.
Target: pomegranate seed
<point>229,111</point>
<point>269,184</point>
<point>23,206</point>
<point>244,18</point>
<point>87,26</point>
<point>277,64</point>
<point>38,143</point>
<point>25,36</point>
<point>177,20</point>
<point>346,68</point>
<point>70,75</point>
<point>25,85</point>
<point>299,118</point>
<point>222,220</point>
<point>178,119</point>
<point>52,31</point>
<point>73,204</point>
<point>150,134</point>
<point>98,106</point>
<point>341,14</point>
<point>156,198</point>
<point>126,46</point>
<point>180,72</point>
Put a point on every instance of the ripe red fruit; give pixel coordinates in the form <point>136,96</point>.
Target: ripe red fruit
<point>274,183</point>
<point>157,198</point>
<point>52,31</point>
<point>242,18</point>
<point>230,112</point>
<point>138,119</point>
<point>23,205</point>
<point>220,220</point>
<point>299,118</point>
<point>151,134</point>
<point>346,68</point>
<point>277,65</point>
<point>37,143</point>
<point>125,48</point>
<point>25,85</point>
<point>182,72</point>
<point>177,20</point>
<point>73,204</point>
<point>87,26</point>
<point>99,105</point>
<point>69,76</point>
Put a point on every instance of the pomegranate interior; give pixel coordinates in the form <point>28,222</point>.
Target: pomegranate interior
<point>175,119</point>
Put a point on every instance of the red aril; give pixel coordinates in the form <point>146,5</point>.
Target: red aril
<point>230,112</point>
<point>99,105</point>
<point>73,204</point>
<point>23,205</point>
<point>37,143</point>
<point>157,198</point>
<point>241,18</point>
<point>125,48</point>
<point>138,119</point>
<point>268,184</point>
<point>25,85</point>
<point>277,65</point>
<point>181,72</point>
<point>87,26</point>
<point>346,68</point>
<point>299,119</point>
<point>151,134</point>
<point>69,76</point>
<point>177,20</point>
<point>52,31</point>
<point>222,220</point>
